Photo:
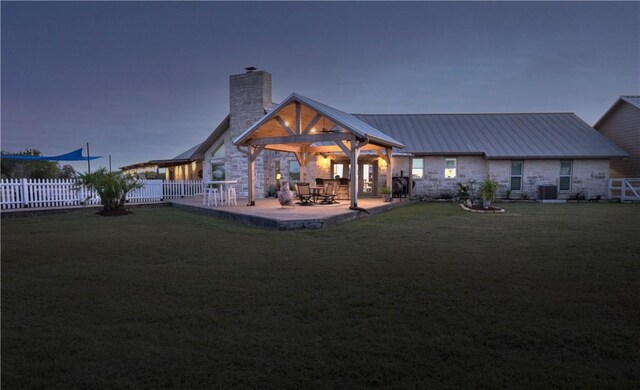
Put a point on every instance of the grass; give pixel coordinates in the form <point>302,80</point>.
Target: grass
<point>422,296</point>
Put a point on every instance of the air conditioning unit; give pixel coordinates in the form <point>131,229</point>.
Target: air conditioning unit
<point>547,192</point>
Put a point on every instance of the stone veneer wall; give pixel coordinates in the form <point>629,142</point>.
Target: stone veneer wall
<point>588,175</point>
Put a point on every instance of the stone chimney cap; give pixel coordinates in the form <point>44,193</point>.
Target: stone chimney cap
<point>250,69</point>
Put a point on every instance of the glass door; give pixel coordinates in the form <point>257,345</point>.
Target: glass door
<point>368,179</point>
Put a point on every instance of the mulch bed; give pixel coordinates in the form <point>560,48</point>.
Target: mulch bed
<point>482,210</point>
<point>114,213</point>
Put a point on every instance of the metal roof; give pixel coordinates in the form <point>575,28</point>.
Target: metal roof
<point>348,121</point>
<point>633,100</point>
<point>187,153</point>
<point>533,135</point>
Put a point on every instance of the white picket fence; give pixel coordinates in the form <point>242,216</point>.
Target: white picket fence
<point>23,193</point>
<point>172,189</point>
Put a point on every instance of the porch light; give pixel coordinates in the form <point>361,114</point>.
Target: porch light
<point>382,163</point>
<point>324,162</point>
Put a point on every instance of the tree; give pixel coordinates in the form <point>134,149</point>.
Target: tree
<point>112,187</point>
<point>25,169</point>
<point>67,172</point>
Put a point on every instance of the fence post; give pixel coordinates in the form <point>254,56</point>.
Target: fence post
<point>623,191</point>
<point>182,189</point>
<point>25,193</point>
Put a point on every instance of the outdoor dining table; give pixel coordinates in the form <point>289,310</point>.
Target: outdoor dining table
<point>315,193</point>
<point>222,185</point>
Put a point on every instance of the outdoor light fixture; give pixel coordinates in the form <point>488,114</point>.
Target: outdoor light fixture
<point>278,176</point>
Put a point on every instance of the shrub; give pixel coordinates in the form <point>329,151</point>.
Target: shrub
<point>488,189</point>
<point>112,187</point>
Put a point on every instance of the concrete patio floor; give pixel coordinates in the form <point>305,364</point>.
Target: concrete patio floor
<point>267,213</point>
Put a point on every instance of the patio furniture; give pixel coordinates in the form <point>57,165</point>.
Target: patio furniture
<point>211,195</point>
<point>304,194</point>
<point>222,186</point>
<point>231,195</point>
<point>319,182</point>
<point>315,193</point>
<point>329,195</point>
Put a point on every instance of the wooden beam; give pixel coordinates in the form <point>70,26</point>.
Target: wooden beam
<point>299,139</point>
<point>344,147</point>
<point>283,148</point>
<point>311,124</point>
<point>383,156</point>
<point>353,156</point>
<point>283,125</point>
<point>389,168</point>
<point>298,118</point>
<point>256,152</point>
<point>324,149</point>
<point>250,173</point>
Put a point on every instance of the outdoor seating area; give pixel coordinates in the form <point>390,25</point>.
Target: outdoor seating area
<point>220,193</point>
<point>317,195</point>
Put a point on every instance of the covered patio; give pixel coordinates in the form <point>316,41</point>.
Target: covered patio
<point>309,129</point>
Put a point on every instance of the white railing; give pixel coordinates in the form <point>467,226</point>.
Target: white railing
<point>181,188</point>
<point>625,189</point>
<point>23,193</point>
<point>151,191</point>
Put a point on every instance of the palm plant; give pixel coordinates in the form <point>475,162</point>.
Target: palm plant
<point>112,187</point>
<point>488,190</point>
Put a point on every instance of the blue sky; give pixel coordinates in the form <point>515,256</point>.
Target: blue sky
<point>149,80</point>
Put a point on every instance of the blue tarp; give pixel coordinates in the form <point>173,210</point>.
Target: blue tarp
<point>76,155</point>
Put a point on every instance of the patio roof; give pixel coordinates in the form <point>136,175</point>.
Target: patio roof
<point>304,127</point>
<point>321,121</point>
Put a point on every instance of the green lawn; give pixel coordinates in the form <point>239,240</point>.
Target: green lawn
<point>543,296</point>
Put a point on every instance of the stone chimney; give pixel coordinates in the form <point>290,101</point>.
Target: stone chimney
<point>249,96</point>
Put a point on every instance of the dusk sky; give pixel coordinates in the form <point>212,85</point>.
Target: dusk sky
<point>149,80</point>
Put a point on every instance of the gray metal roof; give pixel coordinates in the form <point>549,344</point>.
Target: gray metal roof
<point>633,100</point>
<point>535,135</point>
<point>187,153</point>
<point>348,121</point>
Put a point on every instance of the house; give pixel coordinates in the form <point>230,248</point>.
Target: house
<point>261,144</point>
<point>621,124</point>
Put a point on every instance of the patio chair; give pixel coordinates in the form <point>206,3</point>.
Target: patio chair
<point>329,195</point>
<point>304,194</point>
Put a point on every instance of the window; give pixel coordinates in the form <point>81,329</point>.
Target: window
<point>565,175</point>
<point>217,171</point>
<point>338,170</point>
<point>294,172</point>
<point>417,168</point>
<point>516,175</point>
<point>449,168</point>
<point>219,153</point>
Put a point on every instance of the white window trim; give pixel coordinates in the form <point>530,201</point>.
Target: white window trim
<point>570,176</point>
<point>521,175</point>
<point>455,168</point>
<point>421,176</point>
